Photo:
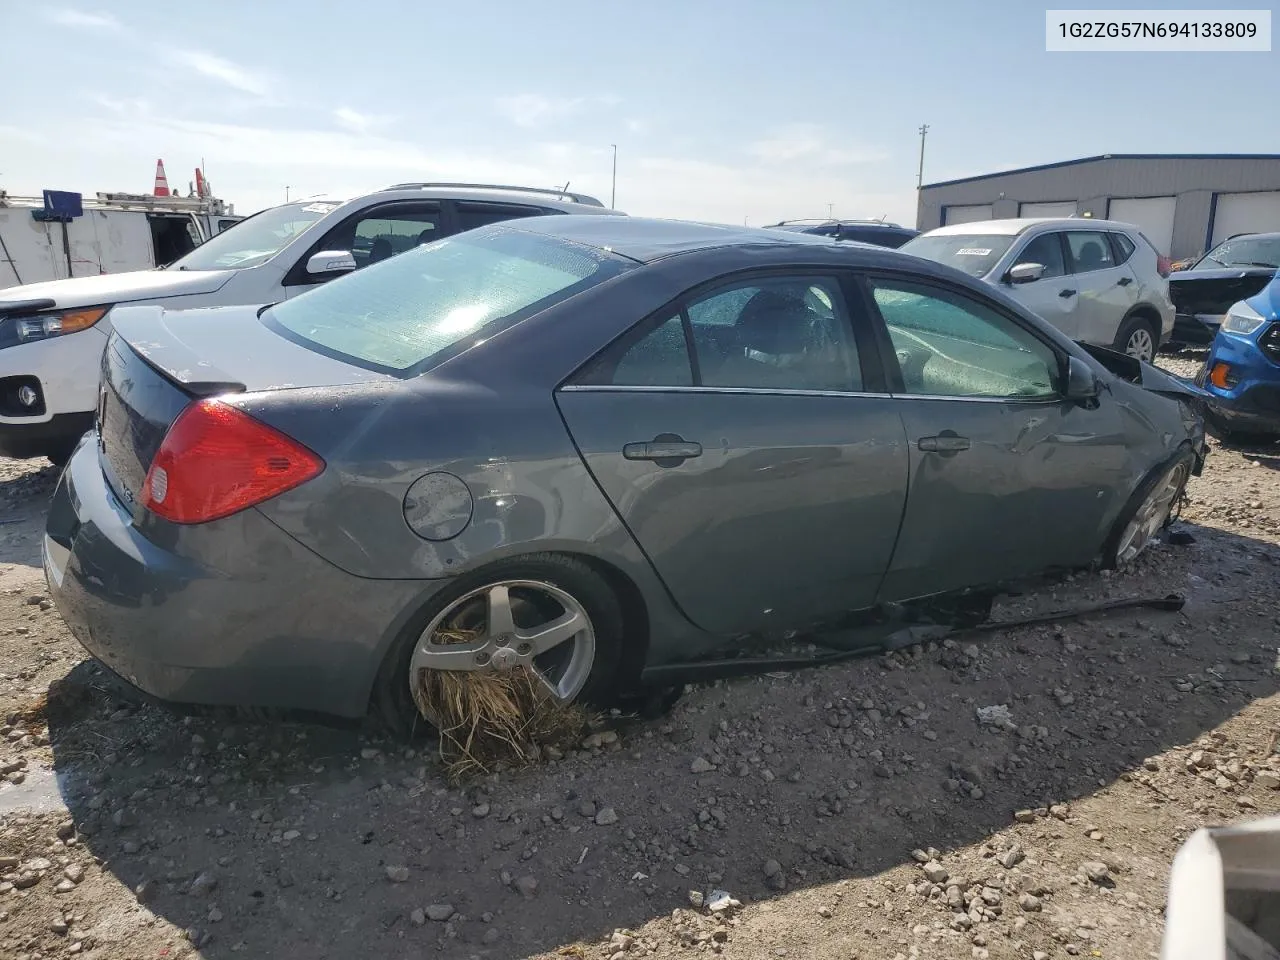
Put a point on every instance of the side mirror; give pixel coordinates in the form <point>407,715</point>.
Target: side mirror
<point>331,261</point>
<point>1081,383</point>
<point>1025,273</point>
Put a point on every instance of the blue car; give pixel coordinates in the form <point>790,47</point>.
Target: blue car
<point>1242,371</point>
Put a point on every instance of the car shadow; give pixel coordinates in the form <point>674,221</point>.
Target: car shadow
<point>286,839</point>
<point>24,499</point>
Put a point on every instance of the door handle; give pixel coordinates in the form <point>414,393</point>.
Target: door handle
<point>943,444</point>
<point>1066,293</point>
<point>666,450</point>
<point>1124,281</point>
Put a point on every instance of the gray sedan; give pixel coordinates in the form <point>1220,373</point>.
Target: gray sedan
<point>588,446</point>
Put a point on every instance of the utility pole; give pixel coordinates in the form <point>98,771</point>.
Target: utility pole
<point>924,129</point>
<point>613,193</point>
<point>286,194</point>
<point>831,211</point>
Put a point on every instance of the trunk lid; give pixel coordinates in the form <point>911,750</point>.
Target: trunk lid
<point>157,361</point>
<point>1214,291</point>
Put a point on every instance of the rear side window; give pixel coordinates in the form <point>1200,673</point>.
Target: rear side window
<point>1089,251</point>
<point>1124,247</point>
<point>429,303</point>
<point>475,214</point>
<point>775,334</point>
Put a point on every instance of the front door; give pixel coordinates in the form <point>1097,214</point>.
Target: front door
<point>734,439</point>
<point>1007,477</point>
<point>371,236</point>
<point>1053,297</point>
<point>1106,289</point>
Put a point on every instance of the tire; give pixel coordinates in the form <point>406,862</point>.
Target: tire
<point>391,701</point>
<point>1142,330</point>
<point>1115,549</point>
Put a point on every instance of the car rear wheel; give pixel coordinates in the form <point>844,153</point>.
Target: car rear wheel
<point>1148,511</point>
<point>550,614</point>
<point>1137,338</point>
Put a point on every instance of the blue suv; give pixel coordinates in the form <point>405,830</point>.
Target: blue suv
<point>1242,371</point>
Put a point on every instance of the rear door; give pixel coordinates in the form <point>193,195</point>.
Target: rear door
<point>744,437</point>
<point>1007,477</point>
<point>1107,290</point>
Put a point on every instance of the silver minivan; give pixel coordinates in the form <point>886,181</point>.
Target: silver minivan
<point>1098,281</point>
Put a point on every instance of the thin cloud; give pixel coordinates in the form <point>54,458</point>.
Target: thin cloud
<point>535,109</point>
<point>358,122</point>
<point>224,71</point>
<point>83,20</point>
<point>810,144</point>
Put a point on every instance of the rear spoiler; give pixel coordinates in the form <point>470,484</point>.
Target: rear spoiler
<point>144,328</point>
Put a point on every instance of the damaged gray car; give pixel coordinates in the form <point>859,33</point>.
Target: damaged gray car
<point>587,446</point>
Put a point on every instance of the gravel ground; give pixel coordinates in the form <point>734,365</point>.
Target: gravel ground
<point>860,811</point>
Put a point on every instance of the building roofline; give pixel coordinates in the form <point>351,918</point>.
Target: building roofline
<point>1106,156</point>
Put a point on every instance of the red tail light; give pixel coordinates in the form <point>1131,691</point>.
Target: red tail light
<point>1164,265</point>
<point>216,461</point>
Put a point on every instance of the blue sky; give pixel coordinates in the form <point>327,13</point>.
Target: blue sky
<point>758,109</point>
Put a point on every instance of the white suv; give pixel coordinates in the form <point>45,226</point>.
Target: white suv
<point>1097,281</point>
<point>52,334</point>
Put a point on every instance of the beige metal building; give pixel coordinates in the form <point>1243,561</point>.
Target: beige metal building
<point>1185,203</point>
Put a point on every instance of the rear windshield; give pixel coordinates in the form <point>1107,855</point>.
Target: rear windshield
<point>432,301</point>
<point>974,253</point>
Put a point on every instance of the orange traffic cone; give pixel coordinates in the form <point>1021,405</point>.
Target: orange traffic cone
<point>162,182</point>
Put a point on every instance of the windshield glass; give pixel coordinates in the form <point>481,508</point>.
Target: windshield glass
<point>974,253</point>
<point>432,301</point>
<point>255,239</point>
<point>1244,252</point>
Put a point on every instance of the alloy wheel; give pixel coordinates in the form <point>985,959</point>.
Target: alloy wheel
<point>1141,344</point>
<point>1152,515</point>
<point>510,624</point>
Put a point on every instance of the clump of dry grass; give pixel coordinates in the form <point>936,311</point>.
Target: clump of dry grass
<point>485,719</point>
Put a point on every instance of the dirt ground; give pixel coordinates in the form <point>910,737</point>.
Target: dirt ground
<point>858,812</point>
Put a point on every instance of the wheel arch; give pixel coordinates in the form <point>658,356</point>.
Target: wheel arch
<point>635,615</point>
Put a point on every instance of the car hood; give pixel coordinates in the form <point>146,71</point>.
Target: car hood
<point>1214,291</point>
<point>120,287</point>
<point>227,349</point>
<point>1142,374</point>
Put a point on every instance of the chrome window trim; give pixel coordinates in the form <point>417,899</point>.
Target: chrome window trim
<point>773,391</point>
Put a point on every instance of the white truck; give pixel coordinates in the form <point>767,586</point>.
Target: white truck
<point>52,334</point>
<point>113,233</point>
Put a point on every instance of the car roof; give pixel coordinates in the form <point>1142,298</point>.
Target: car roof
<point>532,196</point>
<point>646,240</point>
<point>1014,226</point>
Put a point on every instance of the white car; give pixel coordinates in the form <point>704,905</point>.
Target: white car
<point>1098,281</point>
<point>52,334</point>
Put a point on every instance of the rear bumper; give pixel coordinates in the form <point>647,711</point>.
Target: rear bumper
<point>21,440</point>
<point>233,613</point>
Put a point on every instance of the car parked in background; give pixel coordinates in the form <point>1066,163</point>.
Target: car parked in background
<point>1098,281</point>
<point>52,334</point>
<point>1242,370</point>
<point>1234,270</point>
<point>583,446</point>
<point>880,233</point>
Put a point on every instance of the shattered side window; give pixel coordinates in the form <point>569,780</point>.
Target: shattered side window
<point>950,346</point>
